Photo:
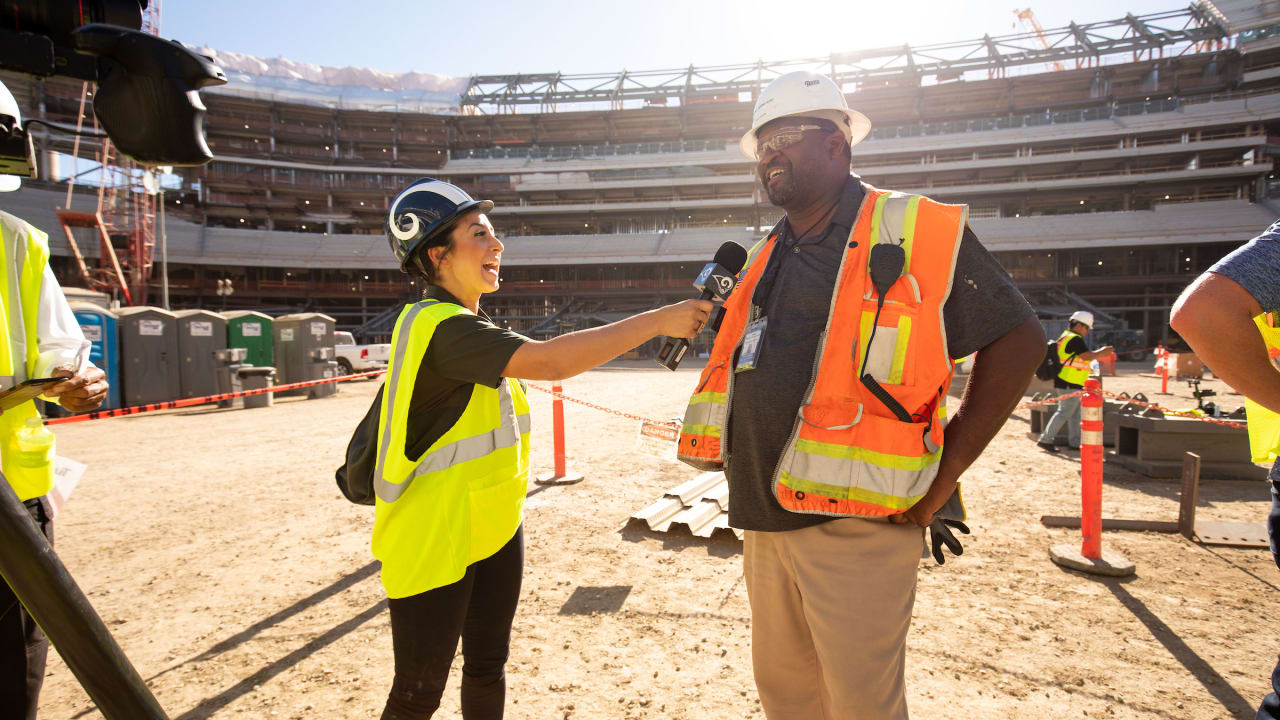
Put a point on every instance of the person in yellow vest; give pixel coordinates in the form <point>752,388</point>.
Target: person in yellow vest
<point>453,449</point>
<point>39,338</point>
<point>1220,315</point>
<point>830,423</point>
<point>1075,356</point>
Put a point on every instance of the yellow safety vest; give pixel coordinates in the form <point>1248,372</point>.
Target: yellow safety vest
<point>1075,370</point>
<point>464,498</point>
<point>24,254</point>
<point>1264,425</point>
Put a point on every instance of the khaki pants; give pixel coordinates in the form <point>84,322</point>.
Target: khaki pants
<point>830,609</point>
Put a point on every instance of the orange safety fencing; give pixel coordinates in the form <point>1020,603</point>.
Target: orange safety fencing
<point>204,400</point>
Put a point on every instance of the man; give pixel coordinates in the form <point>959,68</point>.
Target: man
<point>1220,317</point>
<point>1075,357</point>
<point>39,338</point>
<point>831,432</point>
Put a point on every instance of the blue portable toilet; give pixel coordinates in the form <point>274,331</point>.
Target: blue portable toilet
<point>99,327</point>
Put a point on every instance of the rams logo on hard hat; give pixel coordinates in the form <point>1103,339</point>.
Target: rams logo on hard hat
<point>422,214</point>
<point>411,223</point>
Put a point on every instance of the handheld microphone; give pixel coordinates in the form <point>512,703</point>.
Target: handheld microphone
<point>717,279</point>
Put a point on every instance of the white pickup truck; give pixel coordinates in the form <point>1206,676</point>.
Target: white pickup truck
<point>359,358</point>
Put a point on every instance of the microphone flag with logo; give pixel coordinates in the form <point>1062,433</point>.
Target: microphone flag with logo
<point>716,281</point>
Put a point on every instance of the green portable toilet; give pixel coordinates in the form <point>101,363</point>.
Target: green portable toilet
<point>253,332</point>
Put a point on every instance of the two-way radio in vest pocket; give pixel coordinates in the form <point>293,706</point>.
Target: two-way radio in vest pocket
<point>885,263</point>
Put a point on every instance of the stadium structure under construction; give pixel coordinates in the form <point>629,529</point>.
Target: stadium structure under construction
<point>1105,164</point>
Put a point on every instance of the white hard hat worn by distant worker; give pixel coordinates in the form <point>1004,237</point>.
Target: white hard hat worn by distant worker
<point>9,106</point>
<point>808,94</point>
<point>1082,316</point>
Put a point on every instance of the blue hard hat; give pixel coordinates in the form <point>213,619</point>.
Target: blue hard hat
<point>422,215</point>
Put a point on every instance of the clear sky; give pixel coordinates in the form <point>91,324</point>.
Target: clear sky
<point>575,36</point>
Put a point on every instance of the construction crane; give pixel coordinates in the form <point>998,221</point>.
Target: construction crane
<point>124,222</point>
<point>1028,18</point>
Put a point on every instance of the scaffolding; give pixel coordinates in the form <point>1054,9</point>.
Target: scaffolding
<point>1175,32</point>
<point>124,222</point>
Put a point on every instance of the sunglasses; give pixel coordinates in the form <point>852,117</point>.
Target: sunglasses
<point>786,138</point>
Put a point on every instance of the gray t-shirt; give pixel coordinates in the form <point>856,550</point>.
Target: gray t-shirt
<point>1256,267</point>
<point>984,305</point>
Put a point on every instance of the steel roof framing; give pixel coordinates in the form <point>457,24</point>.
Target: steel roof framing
<point>1175,31</point>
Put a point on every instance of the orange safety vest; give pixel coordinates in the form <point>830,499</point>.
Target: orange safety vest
<point>848,454</point>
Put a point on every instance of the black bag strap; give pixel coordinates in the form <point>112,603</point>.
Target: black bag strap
<point>355,476</point>
<point>1070,357</point>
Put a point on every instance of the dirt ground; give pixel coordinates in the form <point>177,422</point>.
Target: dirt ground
<point>217,548</point>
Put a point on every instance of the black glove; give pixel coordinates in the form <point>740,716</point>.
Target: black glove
<point>940,534</point>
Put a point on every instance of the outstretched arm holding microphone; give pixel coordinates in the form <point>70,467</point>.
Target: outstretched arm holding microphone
<point>577,352</point>
<point>580,351</point>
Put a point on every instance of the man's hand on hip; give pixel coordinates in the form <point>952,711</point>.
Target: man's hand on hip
<point>1000,373</point>
<point>923,511</point>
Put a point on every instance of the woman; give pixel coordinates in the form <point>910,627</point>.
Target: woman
<point>453,449</point>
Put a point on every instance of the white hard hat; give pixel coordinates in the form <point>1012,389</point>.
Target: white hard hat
<point>1082,316</point>
<point>808,94</point>
<point>9,106</point>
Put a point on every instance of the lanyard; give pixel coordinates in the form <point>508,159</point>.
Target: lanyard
<point>764,288</point>
<point>785,240</point>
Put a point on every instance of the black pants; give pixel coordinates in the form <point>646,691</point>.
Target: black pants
<point>1270,708</point>
<point>23,647</point>
<point>425,629</point>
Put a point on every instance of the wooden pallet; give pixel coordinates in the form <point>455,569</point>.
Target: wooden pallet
<point>1230,534</point>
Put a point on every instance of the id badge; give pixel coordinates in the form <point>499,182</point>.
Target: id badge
<point>749,356</point>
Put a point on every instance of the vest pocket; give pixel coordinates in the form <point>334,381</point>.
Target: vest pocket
<point>840,415</point>
<point>891,436</point>
<point>889,359</point>
<point>895,463</point>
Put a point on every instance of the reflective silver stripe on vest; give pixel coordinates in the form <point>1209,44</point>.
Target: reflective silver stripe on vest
<point>393,382</point>
<point>18,338</point>
<point>706,412</point>
<point>506,435</point>
<point>15,249</point>
<point>858,474</point>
